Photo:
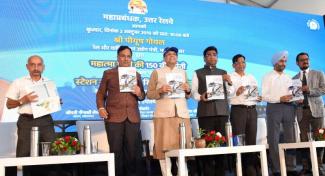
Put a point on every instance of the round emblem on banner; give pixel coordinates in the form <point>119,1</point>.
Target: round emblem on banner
<point>313,24</point>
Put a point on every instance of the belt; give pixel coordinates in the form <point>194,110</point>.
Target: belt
<point>245,106</point>
<point>27,115</point>
<point>306,107</point>
<point>283,103</point>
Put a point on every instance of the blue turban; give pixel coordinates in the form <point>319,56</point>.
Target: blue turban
<point>279,55</point>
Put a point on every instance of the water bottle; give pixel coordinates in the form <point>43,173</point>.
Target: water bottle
<point>87,139</point>
<point>34,141</point>
<point>296,130</point>
<point>182,135</point>
<point>228,129</point>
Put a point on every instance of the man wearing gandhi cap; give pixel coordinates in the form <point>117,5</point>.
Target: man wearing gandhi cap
<point>279,110</point>
<point>169,111</point>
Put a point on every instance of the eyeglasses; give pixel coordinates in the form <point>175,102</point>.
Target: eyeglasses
<point>240,62</point>
<point>171,54</point>
<point>303,59</point>
<point>211,55</point>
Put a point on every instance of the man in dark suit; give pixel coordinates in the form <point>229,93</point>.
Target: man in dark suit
<point>310,113</point>
<point>121,114</point>
<point>212,114</point>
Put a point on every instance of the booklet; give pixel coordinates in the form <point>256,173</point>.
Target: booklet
<point>251,92</point>
<point>296,90</point>
<point>175,81</point>
<point>127,78</point>
<point>48,100</point>
<point>214,85</point>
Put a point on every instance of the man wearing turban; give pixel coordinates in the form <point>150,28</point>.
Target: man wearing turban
<point>279,110</point>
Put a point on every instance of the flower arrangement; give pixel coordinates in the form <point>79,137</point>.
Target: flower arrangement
<point>65,145</point>
<point>319,134</point>
<point>214,139</point>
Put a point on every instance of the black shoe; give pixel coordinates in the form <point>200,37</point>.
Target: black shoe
<point>276,174</point>
<point>292,173</point>
<point>305,172</point>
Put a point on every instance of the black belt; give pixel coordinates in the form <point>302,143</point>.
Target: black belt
<point>284,103</point>
<point>27,115</point>
<point>306,107</point>
<point>245,106</point>
<point>32,117</point>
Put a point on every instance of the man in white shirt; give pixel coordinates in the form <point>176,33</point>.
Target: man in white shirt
<point>310,112</point>
<point>243,114</point>
<point>279,110</point>
<point>18,96</point>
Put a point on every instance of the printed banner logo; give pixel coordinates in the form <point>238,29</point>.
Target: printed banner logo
<point>137,7</point>
<point>313,24</point>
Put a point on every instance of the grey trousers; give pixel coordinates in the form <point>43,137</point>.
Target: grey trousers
<point>277,114</point>
<point>24,126</point>
<point>47,134</point>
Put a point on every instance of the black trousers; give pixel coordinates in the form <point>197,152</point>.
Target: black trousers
<point>125,142</point>
<point>305,123</point>
<point>213,165</point>
<point>244,121</point>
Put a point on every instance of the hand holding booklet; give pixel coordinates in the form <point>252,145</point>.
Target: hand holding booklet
<point>48,100</point>
<point>214,85</point>
<point>127,78</point>
<point>175,81</point>
<point>251,90</point>
<point>296,90</point>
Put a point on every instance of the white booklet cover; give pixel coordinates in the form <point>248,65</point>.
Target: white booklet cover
<point>175,81</point>
<point>127,78</point>
<point>214,85</point>
<point>296,90</point>
<point>251,90</point>
<point>48,100</point>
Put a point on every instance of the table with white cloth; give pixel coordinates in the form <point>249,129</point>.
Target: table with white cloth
<point>59,159</point>
<point>313,154</point>
<point>181,154</point>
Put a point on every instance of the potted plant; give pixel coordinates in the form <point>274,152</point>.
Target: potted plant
<point>200,141</point>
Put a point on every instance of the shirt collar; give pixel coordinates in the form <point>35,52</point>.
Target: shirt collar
<point>307,71</point>
<point>209,67</point>
<point>237,74</point>
<point>30,78</point>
